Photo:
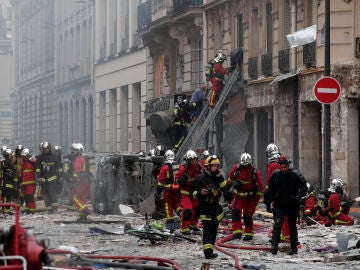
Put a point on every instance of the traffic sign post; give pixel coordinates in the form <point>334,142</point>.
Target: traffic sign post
<point>327,90</point>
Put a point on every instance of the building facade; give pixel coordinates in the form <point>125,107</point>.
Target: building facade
<point>34,96</point>
<point>6,72</point>
<point>121,78</point>
<point>74,86</point>
<point>274,101</point>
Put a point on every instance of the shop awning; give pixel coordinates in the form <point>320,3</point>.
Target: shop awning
<point>283,77</point>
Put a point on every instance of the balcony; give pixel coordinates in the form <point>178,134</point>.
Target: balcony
<point>181,5</point>
<point>309,55</point>
<point>253,68</point>
<point>266,64</point>
<point>144,15</point>
<point>284,61</point>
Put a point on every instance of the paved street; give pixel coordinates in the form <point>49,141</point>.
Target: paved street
<point>64,234</point>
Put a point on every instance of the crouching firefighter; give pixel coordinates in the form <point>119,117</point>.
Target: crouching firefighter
<point>207,189</point>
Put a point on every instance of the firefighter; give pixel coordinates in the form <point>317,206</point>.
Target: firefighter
<point>247,183</point>
<point>181,119</point>
<point>80,189</point>
<point>185,176</point>
<point>311,209</point>
<point>172,196</point>
<point>28,181</point>
<point>8,172</point>
<point>17,161</point>
<point>334,210</point>
<point>208,187</point>
<point>273,154</point>
<point>205,154</point>
<point>287,186</point>
<point>47,166</point>
<point>60,172</point>
<point>217,79</point>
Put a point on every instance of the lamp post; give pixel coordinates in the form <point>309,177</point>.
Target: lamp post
<point>326,107</point>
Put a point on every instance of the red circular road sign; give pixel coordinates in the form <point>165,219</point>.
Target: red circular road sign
<point>327,90</point>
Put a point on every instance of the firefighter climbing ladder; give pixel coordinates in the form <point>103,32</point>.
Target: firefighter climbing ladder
<point>205,119</point>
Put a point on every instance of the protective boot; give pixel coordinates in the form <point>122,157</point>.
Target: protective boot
<point>209,254</point>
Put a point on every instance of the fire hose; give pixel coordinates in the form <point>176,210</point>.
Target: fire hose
<point>163,263</point>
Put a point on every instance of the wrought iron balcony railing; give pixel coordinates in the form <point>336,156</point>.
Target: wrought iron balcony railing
<point>180,5</point>
<point>284,61</point>
<point>309,55</point>
<point>253,68</point>
<point>266,64</point>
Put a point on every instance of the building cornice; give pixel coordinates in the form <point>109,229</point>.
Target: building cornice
<point>74,83</point>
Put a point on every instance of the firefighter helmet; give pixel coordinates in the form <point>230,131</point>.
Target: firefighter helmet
<point>212,160</point>
<point>7,152</point>
<point>46,145</point>
<point>26,153</point>
<point>336,185</point>
<point>272,151</point>
<point>206,154</point>
<point>57,148</point>
<point>245,159</point>
<point>3,148</point>
<point>152,152</point>
<point>169,156</point>
<point>220,57</point>
<point>190,154</point>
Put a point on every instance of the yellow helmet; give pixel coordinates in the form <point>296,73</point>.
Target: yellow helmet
<point>212,160</point>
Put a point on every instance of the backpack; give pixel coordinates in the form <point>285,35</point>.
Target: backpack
<point>209,70</point>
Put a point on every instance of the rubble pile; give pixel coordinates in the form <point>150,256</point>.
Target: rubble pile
<point>336,247</point>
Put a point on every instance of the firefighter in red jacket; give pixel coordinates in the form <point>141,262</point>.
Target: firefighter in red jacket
<point>165,182</point>
<point>334,210</point>
<point>217,79</point>
<point>273,154</point>
<point>248,188</point>
<point>208,188</point>
<point>28,181</point>
<point>185,177</point>
<point>311,212</point>
<point>80,189</point>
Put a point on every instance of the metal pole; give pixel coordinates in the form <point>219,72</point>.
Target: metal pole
<point>326,107</point>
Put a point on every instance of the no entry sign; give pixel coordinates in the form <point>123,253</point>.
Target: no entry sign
<point>327,90</point>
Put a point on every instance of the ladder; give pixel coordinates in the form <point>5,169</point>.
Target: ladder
<point>205,119</point>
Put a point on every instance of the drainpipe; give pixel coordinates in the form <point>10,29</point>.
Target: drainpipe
<point>295,88</point>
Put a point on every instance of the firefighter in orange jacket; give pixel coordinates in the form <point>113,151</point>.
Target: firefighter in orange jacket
<point>248,188</point>
<point>80,189</point>
<point>28,181</point>
<point>334,210</point>
<point>217,80</point>
<point>185,177</point>
<point>172,194</point>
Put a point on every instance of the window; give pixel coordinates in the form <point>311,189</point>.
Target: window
<point>240,34</point>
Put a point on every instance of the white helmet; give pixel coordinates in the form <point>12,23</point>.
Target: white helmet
<point>220,57</point>
<point>190,154</point>
<point>245,159</point>
<point>26,153</point>
<point>336,185</point>
<point>169,156</point>
<point>206,154</point>
<point>272,151</point>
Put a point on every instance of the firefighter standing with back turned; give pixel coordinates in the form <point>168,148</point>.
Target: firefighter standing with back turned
<point>80,189</point>
<point>208,187</point>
